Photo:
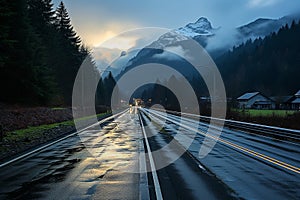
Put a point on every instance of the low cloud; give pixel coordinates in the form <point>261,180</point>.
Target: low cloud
<point>261,3</point>
<point>172,53</point>
<point>105,56</point>
<point>130,41</point>
<point>225,37</point>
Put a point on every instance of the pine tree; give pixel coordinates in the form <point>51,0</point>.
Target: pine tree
<point>42,18</point>
<point>6,13</point>
<point>268,65</point>
<point>48,12</point>
<point>67,56</point>
<point>42,15</point>
<point>100,94</point>
<point>109,84</point>
<point>40,53</point>
<point>23,73</point>
<point>63,23</point>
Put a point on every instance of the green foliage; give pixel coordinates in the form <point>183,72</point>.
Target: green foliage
<point>22,73</point>
<point>64,26</point>
<point>36,132</point>
<point>265,113</point>
<point>108,85</point>
<point>40,53</point>
<point>269,65</point>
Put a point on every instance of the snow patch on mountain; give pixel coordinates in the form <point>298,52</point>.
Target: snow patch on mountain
<point>201,27</point>
<point>167,39</point>
<point>172,53</point>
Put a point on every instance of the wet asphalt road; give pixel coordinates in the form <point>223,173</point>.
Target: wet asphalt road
<point>105,164</point>
<point>99,164</point>
<point>250,176</point>
<point>92,166</point>
<point>184,178</point>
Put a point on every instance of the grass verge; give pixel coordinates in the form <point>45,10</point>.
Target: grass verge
<point>35,132</point>
<point>265,113</point>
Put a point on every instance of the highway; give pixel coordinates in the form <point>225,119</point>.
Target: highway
<point>253,165</point>
<point>130,157</point>
<point>69,168</point>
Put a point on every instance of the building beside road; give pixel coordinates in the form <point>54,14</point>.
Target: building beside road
<point>283,102</point>
<point>296,101</point>
<point>255,100</point>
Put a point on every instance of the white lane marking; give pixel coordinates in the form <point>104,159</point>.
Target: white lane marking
<point>152,165</point>
<point>61,139</point>
<point>238,122</point>
<point>144,188</point>
<point>201,167</point>
<point>238,147</point>
<point>187,118</point>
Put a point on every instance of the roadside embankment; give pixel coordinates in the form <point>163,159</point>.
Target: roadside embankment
<point>26,128</point>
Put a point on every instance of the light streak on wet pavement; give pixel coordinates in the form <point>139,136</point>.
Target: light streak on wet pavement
<point>70,169</point>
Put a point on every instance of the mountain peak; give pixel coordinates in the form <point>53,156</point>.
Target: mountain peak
<point>203,20</point>
<point>202,23</point>
<point>201,27</point>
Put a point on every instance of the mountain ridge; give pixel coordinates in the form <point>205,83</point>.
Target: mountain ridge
<point>211,38</point>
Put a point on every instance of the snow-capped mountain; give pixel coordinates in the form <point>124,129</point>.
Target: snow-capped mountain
<point>221,39</point>
<point>202,28</point>
<point>167,39</point>
<point>262,26</point>
<point>215,40</point>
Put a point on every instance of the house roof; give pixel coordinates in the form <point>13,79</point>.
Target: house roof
<point>263,102</point>
<point>248,96</point>
<point>297,100</point>
<point>275,98</point>
<point>298,93</point>
<point>282,99</point>
<point>287,99</point>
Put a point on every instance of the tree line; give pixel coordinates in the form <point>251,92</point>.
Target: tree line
<point>270,65</point>
<point>40,54</point>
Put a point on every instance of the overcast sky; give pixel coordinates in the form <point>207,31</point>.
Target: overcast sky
<point>97,20</point>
